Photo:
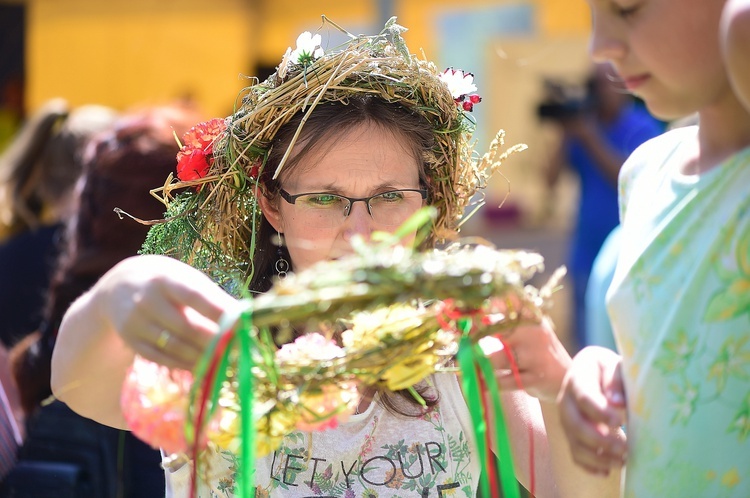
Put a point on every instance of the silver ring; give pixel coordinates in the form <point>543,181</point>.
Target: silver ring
<point>163,339</point>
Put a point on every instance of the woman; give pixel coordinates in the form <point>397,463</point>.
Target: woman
<point>330,147</point>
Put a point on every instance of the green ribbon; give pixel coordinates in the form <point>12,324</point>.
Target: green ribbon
<point>471,359</point>
<point>246,477</point>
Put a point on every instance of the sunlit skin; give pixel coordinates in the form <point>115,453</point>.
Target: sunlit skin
<point>665,51</point>
<point>365,161</point>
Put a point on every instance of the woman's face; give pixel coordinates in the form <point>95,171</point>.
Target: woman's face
<point>364,161</point>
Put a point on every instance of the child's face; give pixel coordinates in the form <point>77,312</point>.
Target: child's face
<point>666,51</point>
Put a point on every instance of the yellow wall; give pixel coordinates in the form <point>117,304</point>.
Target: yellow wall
<point>125,53</point>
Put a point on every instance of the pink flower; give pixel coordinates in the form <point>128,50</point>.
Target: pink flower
<point>309,349</point>
<point>154,402</point>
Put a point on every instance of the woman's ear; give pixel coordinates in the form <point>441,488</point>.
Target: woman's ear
<point>271,213</point>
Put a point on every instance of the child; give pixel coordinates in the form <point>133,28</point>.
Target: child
<point>679,300</point>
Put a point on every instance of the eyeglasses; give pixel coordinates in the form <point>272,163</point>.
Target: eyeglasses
<point>324,210</point>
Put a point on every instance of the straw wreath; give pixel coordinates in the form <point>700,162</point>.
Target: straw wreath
<point>212,218</point>
<point>386,316</point>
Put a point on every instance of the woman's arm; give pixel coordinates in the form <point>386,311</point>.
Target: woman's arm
<point>123,314</point>
<point>543,362</point>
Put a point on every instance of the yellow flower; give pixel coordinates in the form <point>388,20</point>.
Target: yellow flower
<point>406,373</point>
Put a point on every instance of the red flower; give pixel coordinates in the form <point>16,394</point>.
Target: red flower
<point>255,169</point>
<point>196,155</point>
<point>192,166</point>
<point>468,106</point>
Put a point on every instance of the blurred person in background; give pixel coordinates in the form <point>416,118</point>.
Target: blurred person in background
<point>62,450</point>
<point>599,128</point>
<point>38,172</point>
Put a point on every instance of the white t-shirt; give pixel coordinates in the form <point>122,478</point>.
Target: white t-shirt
<point>374,454</point>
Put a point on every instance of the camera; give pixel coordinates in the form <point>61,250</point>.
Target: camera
<point>563,100</point>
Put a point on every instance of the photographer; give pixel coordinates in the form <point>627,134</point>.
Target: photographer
<point>599,130</point>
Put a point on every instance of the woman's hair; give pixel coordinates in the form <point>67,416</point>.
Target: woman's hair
<point>39,169</point>
<point>119,167</point>
<point>327,122</point>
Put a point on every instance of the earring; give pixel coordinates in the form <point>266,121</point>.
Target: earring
<point>282,265</point>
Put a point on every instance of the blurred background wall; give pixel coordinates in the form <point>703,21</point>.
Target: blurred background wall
<point>125,53</point>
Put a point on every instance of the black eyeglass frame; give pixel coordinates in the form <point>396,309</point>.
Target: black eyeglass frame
<point>292,199</point>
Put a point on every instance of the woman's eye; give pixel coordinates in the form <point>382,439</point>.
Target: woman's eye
<point>391,196</point>
<point>323,200</point>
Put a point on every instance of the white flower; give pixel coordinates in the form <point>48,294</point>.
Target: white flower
<point>308,49</point>
<point>459,83</point>
<point>284,66</point>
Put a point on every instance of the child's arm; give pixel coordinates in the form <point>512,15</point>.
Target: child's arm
<point>735,38</point>
<point>542,362</point>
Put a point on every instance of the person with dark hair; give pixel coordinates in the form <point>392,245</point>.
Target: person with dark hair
<point>679,299</point>
<point>119,166</point>
<point>328,150</point>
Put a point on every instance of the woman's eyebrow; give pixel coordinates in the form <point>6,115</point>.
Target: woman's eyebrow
<point>334,188</point>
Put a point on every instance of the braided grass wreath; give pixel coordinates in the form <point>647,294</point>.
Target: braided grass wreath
<point>247,393</point>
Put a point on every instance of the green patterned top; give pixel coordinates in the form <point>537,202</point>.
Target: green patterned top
<point>680,307</point>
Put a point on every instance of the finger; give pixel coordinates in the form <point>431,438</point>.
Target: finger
<point>594,438</point>
<point>205,297</point>
<point>592,449</point>
<point>162,314</point>
<point>614,389</point>
<point>169,356</point>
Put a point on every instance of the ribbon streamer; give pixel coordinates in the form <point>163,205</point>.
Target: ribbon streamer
<point>478,383</point>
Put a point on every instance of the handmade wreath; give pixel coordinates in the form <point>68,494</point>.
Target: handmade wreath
<point>386,316</point>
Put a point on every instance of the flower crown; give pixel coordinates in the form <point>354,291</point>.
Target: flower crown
<point>213,225</point>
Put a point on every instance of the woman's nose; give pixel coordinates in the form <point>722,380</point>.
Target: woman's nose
<point>358,222</point>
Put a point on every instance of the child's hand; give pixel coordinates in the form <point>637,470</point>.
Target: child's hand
<point>592,410</point>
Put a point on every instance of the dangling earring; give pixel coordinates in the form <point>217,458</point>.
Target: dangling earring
<point>282,265</point>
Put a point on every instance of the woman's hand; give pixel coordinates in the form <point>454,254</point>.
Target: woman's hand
<point>539,356</point>
<point>155,306</point>
<point>592,410</point>
<point>166,311</point>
